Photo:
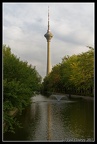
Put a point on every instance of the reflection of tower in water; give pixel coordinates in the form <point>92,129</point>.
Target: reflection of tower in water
<point>49,122</point>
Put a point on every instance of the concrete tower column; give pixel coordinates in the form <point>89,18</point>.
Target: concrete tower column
<point>48,36</point>
<point>48,58</point>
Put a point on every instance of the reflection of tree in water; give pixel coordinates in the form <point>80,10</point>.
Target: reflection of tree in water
<point>28,121</point>
<point>79,118</point>
<point>33,120</point>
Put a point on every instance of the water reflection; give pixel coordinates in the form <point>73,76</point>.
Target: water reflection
<point>78,117</point>
<point>49,135</point>
<point>49,120</point>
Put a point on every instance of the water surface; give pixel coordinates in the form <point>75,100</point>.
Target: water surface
<point>48,119</point>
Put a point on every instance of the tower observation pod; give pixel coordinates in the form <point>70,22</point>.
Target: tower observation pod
<point>48,36</point>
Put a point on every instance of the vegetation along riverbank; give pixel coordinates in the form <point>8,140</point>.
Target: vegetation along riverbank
<point>74,75</point>
<point>20,81</point>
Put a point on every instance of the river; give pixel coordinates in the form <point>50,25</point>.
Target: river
<point>48,119</point>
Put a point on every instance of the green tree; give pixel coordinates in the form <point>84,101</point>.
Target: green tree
<point>75,74</point>
<point>20,81</point>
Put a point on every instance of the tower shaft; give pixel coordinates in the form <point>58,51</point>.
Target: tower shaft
<point>48,58</point>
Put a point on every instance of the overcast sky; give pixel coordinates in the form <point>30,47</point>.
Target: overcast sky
<point>24,26</point>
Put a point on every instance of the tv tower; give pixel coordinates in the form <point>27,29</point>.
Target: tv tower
<point>48,36</point>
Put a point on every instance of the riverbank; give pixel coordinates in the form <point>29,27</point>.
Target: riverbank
<point>84,97</point>
<point>11,113</point>
<point>75,96</point>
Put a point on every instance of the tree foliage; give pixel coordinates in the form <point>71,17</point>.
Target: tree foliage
<point>20,81</point>
<point>75,74</point>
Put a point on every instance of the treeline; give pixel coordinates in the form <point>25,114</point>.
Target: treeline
<point>74,75</point>
<point>20,82</point>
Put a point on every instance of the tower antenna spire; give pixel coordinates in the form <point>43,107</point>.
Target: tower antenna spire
<point>48,19</point>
